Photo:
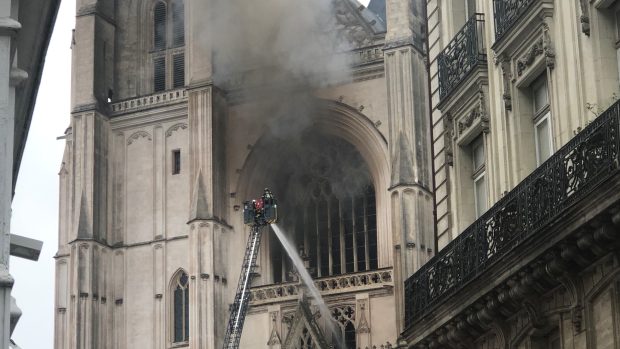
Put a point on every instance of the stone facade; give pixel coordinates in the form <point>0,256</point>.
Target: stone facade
<point>524,100</point>
<point>152,183</point>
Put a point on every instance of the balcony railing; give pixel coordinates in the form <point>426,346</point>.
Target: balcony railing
<point>464,52</point>
<point>156,99</point>
<point>507,12</point>
<point>577,168</point>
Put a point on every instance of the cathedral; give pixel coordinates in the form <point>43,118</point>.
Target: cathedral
<point>183,110</point>
<point>448,170</point>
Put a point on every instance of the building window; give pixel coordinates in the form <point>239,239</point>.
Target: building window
<point>178,70</point>
<point>345,319</point>
<point>181,308</point>
<point>542,120</point>
<point>336,235</point>
<point>159,74</point>
<point>479,175</point>
<point>159,26</point>
<point>178,23</point>
<point>176,161</point>
<point>168,53</point>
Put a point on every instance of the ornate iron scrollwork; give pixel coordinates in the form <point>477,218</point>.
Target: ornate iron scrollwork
<point>581,165</point>
<point>464,52</point>
<point>507,12</point>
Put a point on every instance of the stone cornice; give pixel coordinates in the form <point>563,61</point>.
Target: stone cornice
<point>417,44</point>
<point>204,222</point>
<point>121,246</point>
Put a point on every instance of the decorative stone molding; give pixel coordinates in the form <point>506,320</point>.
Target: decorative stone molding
<point>154,100</point>
<point>542,46</point>
<point>176,127</point>
<point>365,281</point>
<point>472,123</point>
<point>585,16</point>
<point>137,135</point>
<point>504,64</point>
<point>363,326</point>
<point>474,115</point>
<point>274,338</point>
<point>524,62</point>
<point>448,125</point>
<point>548,47</point>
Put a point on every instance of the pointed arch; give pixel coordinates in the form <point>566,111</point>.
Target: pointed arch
<point>344,317</point>
<point>179,309</point>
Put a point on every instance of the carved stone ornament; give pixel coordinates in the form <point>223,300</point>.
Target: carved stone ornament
<point>548,47</point>
<point>137,135</point>
<point>477,113</point>
<point>585,16</point>
<point>504,63</point>
<point>448,138</point>
<point>274,338</point>
<point>363,326</point>
<point>542,46</point>
<point>524,62</point>
<point>176,127</point>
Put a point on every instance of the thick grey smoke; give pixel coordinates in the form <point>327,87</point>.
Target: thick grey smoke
<point>286,45</point>
<point>275,54</point>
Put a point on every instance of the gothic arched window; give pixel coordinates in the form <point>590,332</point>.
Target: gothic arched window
<point>180,308</point>
<point>344,317</point>
<point>331,209</point>
<point>168,53</point>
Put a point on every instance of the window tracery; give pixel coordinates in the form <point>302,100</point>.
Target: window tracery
<point>180,308</point>
<point>333,211</point>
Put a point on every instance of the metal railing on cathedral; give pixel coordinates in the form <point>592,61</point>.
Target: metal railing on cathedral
<point>507,12</point>
<point>580,166</point>
<point>462,54</point>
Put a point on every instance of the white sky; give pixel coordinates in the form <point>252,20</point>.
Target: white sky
<point>35,205</point>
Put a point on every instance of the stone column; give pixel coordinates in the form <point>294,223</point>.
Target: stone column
<point>8,29</point>
<point>208,280</point>
<point>85,222</point>
<point>409,142</point>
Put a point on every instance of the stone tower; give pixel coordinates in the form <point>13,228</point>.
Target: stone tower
<point>175,123</point>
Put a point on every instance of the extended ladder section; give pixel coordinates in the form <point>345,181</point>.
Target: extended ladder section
<point>257,214</point>
<point>240,306</point>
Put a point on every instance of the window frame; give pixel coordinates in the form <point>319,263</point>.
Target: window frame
<point>479,174</point>
<point>185,311</point>
<point>172,48</point>
<point>176,165</point>
<point>540,115</point>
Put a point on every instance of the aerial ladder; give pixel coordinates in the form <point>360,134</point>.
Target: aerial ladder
<point>257,214</point>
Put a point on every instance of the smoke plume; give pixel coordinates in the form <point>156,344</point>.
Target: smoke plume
<point>282,44</point>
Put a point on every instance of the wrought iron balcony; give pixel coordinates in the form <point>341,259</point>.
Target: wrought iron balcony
<point>507,12</point>
<point>464,52</point>
<point>574,171</point>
